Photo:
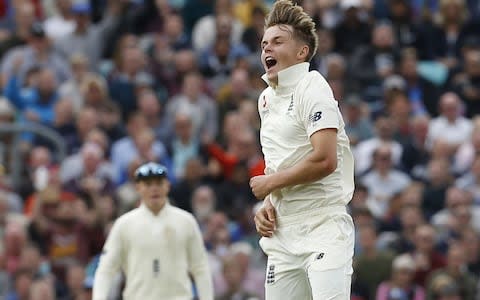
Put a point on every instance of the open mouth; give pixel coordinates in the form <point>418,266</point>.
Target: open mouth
<point>270,62</point>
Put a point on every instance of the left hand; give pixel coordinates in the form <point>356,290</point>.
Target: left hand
<point>261,186</point>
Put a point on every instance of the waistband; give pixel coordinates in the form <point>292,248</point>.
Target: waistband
<point>301,217</point>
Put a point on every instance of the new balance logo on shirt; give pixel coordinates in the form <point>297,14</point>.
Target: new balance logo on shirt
<point>315,117</point>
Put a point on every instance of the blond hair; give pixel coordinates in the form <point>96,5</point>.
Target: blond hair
<point>440,19</point>
<point>284,12</point>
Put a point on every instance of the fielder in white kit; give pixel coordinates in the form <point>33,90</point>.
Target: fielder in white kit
<point>306,230</point>
<point>156,245</point>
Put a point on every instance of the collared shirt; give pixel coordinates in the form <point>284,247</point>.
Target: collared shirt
<point>156,253</point>
<point>302,104</point>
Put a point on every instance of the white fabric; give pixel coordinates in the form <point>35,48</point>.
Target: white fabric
<point>205,30</point>
<point>454,133</point>
<point>310,256</point>
<point>57,27</point>
<point>363,153</point>
<point>300,105</point>
<point>157,253</point>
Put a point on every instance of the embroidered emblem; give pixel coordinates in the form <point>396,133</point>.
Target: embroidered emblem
<point>156,267</point>
<point>290,107</point>
<point>271,274</point>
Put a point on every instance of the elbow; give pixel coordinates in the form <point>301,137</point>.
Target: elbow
<point>329,166</point>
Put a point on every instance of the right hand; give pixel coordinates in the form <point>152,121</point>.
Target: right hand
<point>265,219</point>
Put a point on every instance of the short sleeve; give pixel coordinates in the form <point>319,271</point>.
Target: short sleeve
<point>318,108</point>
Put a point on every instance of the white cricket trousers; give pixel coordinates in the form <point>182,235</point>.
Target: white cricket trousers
<point>310,256</point>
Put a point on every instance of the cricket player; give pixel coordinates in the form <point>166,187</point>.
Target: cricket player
<point>307,233</point>
<point>157,246</point>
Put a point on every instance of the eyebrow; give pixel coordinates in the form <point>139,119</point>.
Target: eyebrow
<point>274,38</point>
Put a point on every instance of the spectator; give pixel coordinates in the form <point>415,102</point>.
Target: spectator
<point>443,39</point>
<point>129,148</point>
<point>456,273</point>
<point>450,126</point>
<point>471,242</point>
<point>370,258</point>
<point>371,64</point>
<point>467,83</point>
<point>438,181</point>
<point>24,17</point>
<point>22,282</point>
<point>415,155</point>
<point>466,153</point>
<point>222,23</point>
<point>391,181</point>
<point>202,205</point>
<point>455,198</point>
<point>88,38</point>
<point>239,279</point>
<point>401,284</point>
<point>352,32</point>
<point>121,81</point>
<point>427,258</point>
<point>384,132</point>
<point>151,108</point>
<point>37,52</point>
<point>62,22</point>
<point>358,126</point>
<point>410,217</point>
<point>205,120</point>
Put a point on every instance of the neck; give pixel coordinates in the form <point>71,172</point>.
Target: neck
<point>184,140</point>
<point>274,82</point>
<point>402,285</point>
<point>451,119</point>
<point>155,209</point>
<point>383,172</point>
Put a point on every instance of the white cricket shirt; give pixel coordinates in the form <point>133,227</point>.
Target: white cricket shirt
<point>156,253</point>
<point>290,113</point>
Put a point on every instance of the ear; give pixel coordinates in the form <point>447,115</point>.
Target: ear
<point>303,53</point>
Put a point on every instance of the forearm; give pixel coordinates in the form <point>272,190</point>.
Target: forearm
<point>198,265</point>
<point>203,282</point>
<point>308,170</point>
<point>102,284</point>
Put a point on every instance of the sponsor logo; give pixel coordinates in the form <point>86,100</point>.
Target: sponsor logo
<point>271,274</point>
<point>315,117</point>
<point>290,107</point>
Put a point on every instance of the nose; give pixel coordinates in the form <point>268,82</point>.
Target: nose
<point>267,47</point>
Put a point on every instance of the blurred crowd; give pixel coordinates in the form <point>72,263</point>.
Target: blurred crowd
<point>121,82</point>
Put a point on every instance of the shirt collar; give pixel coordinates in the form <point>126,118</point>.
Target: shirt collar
<point>146,210</point>
<point>289,77</point>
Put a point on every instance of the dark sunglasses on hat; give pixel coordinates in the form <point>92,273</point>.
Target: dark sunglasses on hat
<point>150,170</point>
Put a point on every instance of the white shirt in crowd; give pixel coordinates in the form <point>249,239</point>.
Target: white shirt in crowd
<point>381,189</point>
<point>364,153</point>
<point>454,133</point>
<point>156,253</point>
<point>300,105</point>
